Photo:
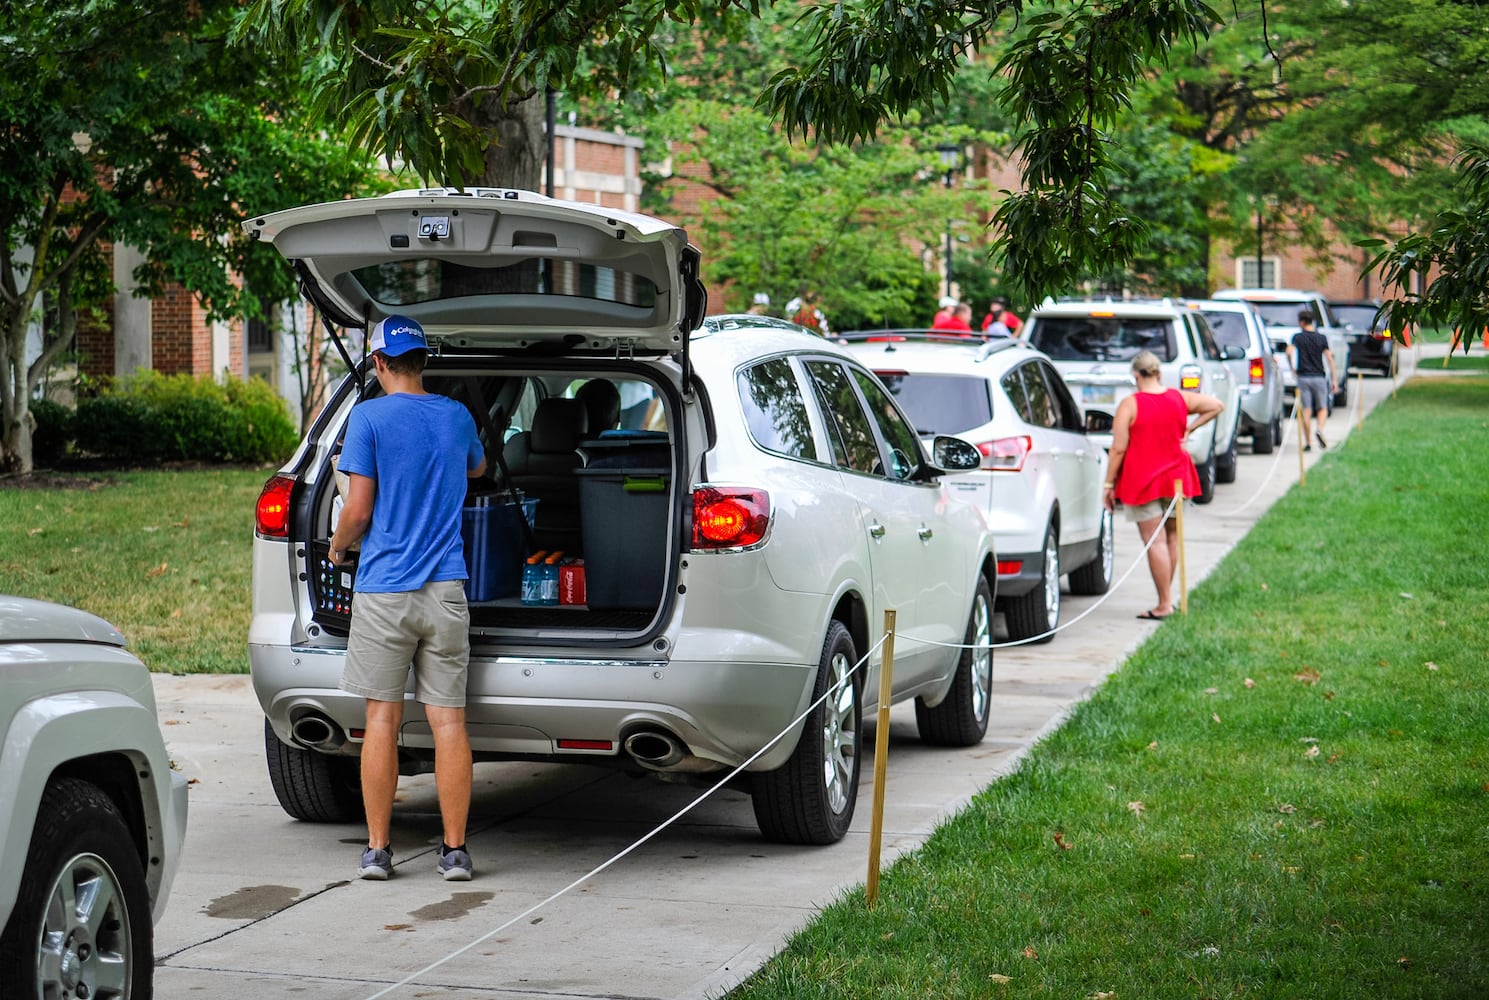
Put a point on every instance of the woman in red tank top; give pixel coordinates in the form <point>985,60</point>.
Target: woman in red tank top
<point>1147,456</point>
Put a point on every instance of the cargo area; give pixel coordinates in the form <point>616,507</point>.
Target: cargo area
<point>571,526</point>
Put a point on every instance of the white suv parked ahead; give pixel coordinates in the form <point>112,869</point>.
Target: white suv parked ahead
<point>761,505</point>
<point>1041,478</point>
<point>91,814</point>
<point>1093,342</point>
<point>1279,308</point>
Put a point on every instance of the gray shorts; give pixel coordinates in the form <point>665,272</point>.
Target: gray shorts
<point>1313,392</point>
<point>427,629</point>
<point>1145,511</point>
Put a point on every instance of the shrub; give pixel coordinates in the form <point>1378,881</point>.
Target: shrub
<point>53,433</point>
<point>152,416</point>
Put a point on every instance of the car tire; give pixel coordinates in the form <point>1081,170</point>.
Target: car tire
<point>1225,465</point>
<point>82,911</point>
<point>1096,576</point>
<point>1277,431</point>
<point>1264,439</point>
<point>960,719</point>
<point>810,798</point>
<point>1206,470</point>
<point>311,786</point>
<point>1038,612</point>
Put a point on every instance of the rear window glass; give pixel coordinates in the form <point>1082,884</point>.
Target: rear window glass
<point>1229,328</point>
<point>940,404</point>
<point>1281,313</point>
<point>1362,318</point>
<point>1104,338</point>
<point>425,279</point>
<point>774,410</point>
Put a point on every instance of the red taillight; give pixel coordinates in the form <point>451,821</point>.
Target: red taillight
<point>271,516</point>
<point>1006,454</point>
<point>727,517</point>
<point>1010,568</point>
<point>1258,372</point>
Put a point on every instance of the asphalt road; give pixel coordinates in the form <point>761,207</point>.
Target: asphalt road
<point>268,908</point>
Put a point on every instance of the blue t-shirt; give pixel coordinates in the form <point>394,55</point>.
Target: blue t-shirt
<point>417,449</point>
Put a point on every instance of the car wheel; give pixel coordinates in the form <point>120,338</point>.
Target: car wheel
<point>1264,439</point>
<point>1225,465</point>
<point>960,720</point>
<point>1277,430</point>
<point>81,925</point>
<point>1096,576</point>
<point>810,798</point>
<point>1038,611</point>
<point>311,786</point>
<point>1206,470</point>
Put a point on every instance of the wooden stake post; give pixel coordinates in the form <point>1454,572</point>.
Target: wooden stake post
<point>1179,531</point>
<point>881,760</point>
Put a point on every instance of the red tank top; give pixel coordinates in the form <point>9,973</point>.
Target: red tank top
<point>1155,450</point>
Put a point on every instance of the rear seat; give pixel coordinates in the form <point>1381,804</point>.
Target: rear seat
<point>542,463</point>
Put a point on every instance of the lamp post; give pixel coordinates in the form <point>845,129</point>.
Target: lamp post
<point>951,155</point>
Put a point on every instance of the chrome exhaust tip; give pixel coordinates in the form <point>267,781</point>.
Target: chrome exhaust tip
<point>654,749</point>
<point>317,732</point>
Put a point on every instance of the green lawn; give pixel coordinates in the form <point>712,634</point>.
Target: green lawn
<point>164,555</point>
<point>1283,795</point>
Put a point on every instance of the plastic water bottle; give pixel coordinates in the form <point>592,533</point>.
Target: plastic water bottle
<point>532,579</point>
<point>550,578</point>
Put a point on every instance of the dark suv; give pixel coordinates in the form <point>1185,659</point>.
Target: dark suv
<point>1371,343</point>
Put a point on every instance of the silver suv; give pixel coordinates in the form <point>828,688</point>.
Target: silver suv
<point>1279,308</point>
<point>731,507</point>
<point>91,814</point>
<point>1092,342</point>
<point>1258,372</point>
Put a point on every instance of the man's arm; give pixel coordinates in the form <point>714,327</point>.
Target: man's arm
<point>356,515</point>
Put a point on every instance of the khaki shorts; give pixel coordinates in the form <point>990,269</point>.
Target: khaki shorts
<point>427,629</point>
<point>1145,511</point>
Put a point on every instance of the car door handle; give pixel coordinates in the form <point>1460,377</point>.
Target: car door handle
<point>925,533</point>
<point>876,530</point>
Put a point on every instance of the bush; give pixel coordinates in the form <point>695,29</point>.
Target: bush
<point>152,416</point>
<point>53,433</point>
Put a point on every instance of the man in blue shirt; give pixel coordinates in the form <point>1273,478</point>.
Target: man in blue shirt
<point>408,454</point>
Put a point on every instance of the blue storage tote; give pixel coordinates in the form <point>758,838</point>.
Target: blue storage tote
<point>495,546</point>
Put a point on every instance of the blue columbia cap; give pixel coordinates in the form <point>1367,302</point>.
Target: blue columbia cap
<point>397,335</point>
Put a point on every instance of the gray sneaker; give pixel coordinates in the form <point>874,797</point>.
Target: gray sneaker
<point>454,865</point>
<point>377,864</point>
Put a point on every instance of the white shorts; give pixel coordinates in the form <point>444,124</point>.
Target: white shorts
<point>427,630</point>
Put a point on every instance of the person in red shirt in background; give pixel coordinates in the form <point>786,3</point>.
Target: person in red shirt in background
<point>998,312</point>
<point>959,321</point>
<point>946,312</point>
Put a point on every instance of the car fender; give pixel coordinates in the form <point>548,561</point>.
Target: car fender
<point>55,730</point>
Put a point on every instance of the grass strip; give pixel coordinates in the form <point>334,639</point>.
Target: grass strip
<point>162,554</point>
<point>1285,794</point>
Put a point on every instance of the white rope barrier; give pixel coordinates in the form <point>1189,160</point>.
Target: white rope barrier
<point>1279,452</point>
<point>829,693</point>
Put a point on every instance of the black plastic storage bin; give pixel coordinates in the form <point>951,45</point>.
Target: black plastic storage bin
<point>623,498</point>
<point>495,546</point>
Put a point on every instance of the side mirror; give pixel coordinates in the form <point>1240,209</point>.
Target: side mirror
<point>954,454</point>
<point>1233,352</point>
<point>1098,422</point>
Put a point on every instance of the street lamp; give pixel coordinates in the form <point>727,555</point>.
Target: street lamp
<point>951,155</point>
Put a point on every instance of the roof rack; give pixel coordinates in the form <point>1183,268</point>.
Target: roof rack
<point>987,346</point>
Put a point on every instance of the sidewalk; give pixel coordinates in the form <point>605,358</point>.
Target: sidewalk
<point>265,907</point>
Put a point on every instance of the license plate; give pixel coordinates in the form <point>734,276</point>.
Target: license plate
<point>1098,394</point>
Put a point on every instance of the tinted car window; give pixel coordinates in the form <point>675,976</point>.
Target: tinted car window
<point>1206,340</point>
<point>854,444</point>
<point>774,410</point>
<point>904,446</point>
<point>1069,413</point>
<point>940,404</point>
<point>1280,313</point>
<point>1229,329</point>
<point>1362,318</point>
<point>1104,338</point>
<point>1013,384</point>
<point>1042,409</point>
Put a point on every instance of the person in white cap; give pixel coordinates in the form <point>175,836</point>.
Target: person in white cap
<point>946,313</point>
<point>408,454</point>
<point>761,305</point>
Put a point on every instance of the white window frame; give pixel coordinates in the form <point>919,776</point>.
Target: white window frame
<point>1271,268</point>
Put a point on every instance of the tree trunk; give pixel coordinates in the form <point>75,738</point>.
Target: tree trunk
<point>514,156</point>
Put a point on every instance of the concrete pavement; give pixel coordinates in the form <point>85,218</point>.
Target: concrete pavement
<point>266,907</point>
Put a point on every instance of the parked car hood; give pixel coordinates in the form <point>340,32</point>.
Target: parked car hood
<point>493,268</point>
<point>25,620</point>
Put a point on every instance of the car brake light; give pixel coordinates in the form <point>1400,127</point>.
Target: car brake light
<point>1103,314</point>
<point>1010,568</point>
<point>1189,378</point>
<point>726,517</point>
<point>271,516</point>
<point>1258,372</point>
<point>1006,454</point>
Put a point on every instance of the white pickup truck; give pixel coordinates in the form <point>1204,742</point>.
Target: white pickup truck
<point>91,814</point>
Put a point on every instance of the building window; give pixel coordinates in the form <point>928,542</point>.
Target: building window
<point>1270,275</point>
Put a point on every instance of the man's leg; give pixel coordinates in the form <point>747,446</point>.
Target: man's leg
<point>452,769</point>
<point>380,769</point>
<point>1160,563</point>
